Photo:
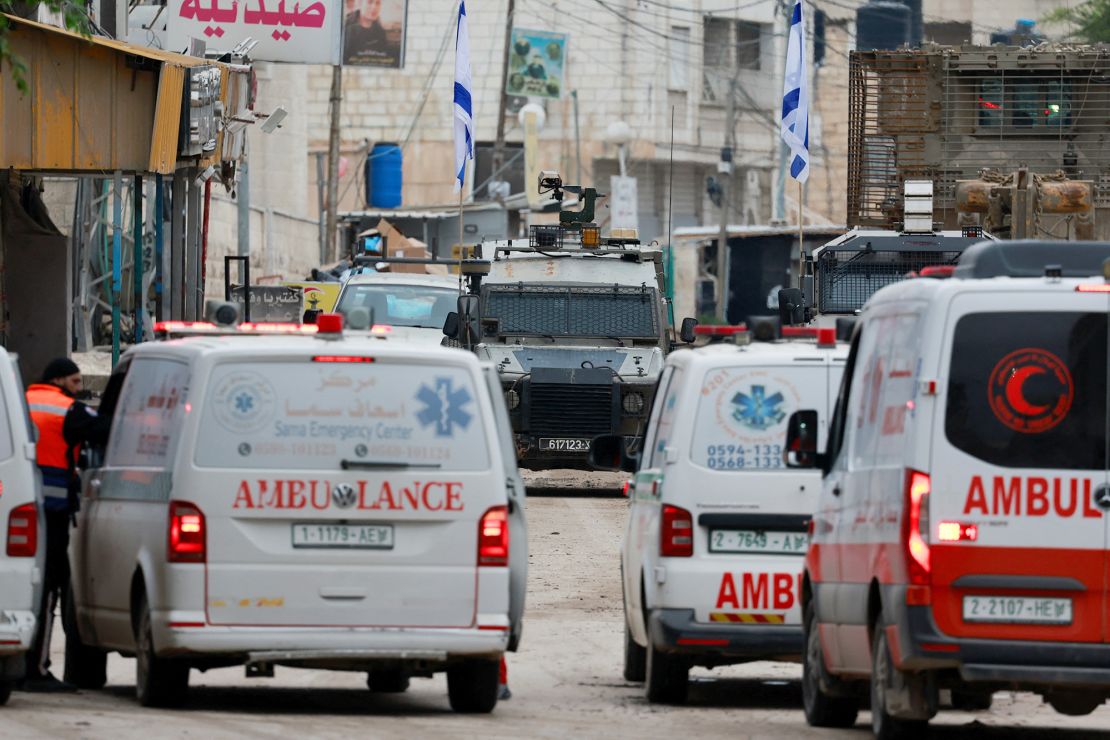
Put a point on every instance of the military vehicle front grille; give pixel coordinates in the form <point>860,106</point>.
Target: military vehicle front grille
<point>570,410</point>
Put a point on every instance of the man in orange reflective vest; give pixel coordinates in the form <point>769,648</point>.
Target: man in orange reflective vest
<point>63,423</point>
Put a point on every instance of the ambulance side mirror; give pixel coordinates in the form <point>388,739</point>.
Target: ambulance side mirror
<point>801,441</point>
<point>686,332</point>
<point>451,326</point>
<point>610,452</point>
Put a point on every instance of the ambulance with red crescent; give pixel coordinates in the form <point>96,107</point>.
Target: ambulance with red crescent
<point>294,496</point>
<point>961,542</point>
<point>712,554</point>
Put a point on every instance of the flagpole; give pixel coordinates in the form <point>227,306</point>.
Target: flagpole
<point>462,249</point>
<point>801,237</point>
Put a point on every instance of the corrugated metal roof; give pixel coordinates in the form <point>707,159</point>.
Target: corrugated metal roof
<point>432,213</point>
<point>89,107</point>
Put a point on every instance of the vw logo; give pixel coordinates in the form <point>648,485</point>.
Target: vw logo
<point>1102,497</point>
<point>343,495</point>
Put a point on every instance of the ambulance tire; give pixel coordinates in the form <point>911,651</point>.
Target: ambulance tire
<point>86,667</point>
<point>158,682</point>
<point>971,701</point>
<point>472,685</point>
<point>5,691</point>
<point>635,658</point>
<point>387,682</point>
<point>822,709</point>
<point>883,674</point>
<point>668,677</point>
<point>1075,704</point>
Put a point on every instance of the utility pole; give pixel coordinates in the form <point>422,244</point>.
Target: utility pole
<point>724,168</point>
<point>502,97</point>
<point>327,248</point>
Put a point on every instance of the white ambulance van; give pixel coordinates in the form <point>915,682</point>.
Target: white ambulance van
<point>717,525</point>
<point>961,538</point>
<point>347,503</point>
<point>23,556</point>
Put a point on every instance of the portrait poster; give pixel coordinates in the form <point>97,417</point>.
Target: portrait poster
<point>537,62</point>
<point>374,33</point>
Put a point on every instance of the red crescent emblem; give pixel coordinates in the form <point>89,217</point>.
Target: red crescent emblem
<point>1007,390</point>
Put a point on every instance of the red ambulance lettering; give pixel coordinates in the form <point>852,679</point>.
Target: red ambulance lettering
<point>784,591</point>
<point>298,494</point>
<point>726,594</point>
<point>1007,495</point>
<point>758,591</point>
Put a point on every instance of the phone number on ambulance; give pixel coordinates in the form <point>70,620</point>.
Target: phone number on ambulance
<point>738,457</point>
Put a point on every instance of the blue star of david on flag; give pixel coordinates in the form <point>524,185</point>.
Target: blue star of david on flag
<point>443,407</point>
<point>758,410</point>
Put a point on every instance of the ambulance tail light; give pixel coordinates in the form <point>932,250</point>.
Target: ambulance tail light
<point>957,532</point>
<point>915,527</point>
<point>23,531</point>
<point>676,535</point>
<point>493,538</point>
<point>187,535</point>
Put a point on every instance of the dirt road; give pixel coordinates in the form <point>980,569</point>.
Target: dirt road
<point>566,680</point>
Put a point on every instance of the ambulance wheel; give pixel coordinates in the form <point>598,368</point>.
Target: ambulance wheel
<point>388,682</point>
<point>159,682</point>
<point>971,701</point>
<point>472,686</point>
<point>5,691</point>
<point>1075,704</point>
<point>86,667</point>
<point>635,657</point>
<point>884,677</point>
<point>822,709</point>
<point>667,677</point>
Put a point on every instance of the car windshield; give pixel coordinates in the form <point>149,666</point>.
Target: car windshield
<point>627,312</point>
<point>401,305</point>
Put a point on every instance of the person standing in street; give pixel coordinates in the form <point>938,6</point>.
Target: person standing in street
<point>63,424</point>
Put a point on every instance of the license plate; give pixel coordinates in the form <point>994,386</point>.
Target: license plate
<point>750,540</point>
<point>548,444</point>
<point>1017,610</point>
<point>321,534</point>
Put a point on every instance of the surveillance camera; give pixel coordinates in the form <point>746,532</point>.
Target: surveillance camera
<point>274,120</point>
<point>550,180</point>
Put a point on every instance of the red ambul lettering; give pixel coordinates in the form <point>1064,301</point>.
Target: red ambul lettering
<point>1030,496</point>
<point>759,591</point>
<point>316,495</point>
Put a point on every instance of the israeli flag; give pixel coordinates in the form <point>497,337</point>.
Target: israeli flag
<point>795,98</point>
<point>464,101</point>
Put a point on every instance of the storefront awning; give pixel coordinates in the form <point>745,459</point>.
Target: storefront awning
<point>93,104</point>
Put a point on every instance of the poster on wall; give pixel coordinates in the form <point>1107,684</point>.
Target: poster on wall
<point>374,32</point>
<point>300,31</point>
<point>537,62</point>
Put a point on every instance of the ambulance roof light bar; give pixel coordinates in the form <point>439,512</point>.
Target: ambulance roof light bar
<point>330,324</point>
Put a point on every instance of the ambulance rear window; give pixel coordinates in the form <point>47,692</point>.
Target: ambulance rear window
<point>314,415</point>
<point>743,412</point>
<point>1028,389</point>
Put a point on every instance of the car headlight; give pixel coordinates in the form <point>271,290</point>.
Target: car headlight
<point>633,403</point>
<point>512,399</point>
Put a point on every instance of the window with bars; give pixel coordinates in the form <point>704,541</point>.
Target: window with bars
<point>625,312</point>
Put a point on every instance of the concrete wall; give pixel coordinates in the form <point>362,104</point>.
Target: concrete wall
<point>283,246</point>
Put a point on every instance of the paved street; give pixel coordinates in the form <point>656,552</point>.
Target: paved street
<point>566,680</point>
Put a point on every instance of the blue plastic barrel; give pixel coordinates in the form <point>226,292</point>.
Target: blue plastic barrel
<point>383,176</point>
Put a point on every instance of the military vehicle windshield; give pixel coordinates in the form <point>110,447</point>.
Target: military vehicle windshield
<point>624,312</point>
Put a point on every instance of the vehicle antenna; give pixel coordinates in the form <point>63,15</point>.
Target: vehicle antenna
<point>668,283</point>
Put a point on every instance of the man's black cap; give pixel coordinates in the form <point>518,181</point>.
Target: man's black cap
<point>61,367</point>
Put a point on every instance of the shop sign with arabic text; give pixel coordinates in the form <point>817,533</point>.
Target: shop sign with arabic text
<point>302,31</point>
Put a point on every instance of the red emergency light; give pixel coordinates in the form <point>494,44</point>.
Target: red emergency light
<point>719,330</point>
